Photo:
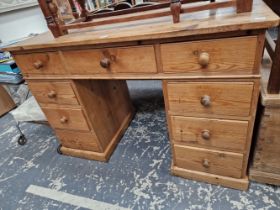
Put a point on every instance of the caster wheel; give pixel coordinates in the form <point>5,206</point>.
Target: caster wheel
<point>59,149</point>
<point>22,140</point>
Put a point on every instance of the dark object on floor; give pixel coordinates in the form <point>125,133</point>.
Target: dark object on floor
<point>22,140</point>
<point>59,149</point>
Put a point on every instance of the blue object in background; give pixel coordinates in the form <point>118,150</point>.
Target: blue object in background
<point>9,71</point>
<point>4,56</point>
<point>9,67</point>
<point>11,78</point>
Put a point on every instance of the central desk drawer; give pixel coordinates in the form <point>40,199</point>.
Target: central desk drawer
<point>209,161</point>
<point>66,118</point>
<point>112,60</point>
<point>224,134</point>
<point>53,92</point>
<point>40,63</point>
<point>221,56</point>
<point>210,98</point>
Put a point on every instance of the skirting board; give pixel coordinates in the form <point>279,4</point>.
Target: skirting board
<point>264,177</point>
<point>240,184</point>
<point>105,156</point>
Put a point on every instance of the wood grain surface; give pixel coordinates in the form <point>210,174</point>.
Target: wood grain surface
<point>199,23</point>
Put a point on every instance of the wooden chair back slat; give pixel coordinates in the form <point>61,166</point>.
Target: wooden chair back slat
<point>273,86</point>
<point>177,7</point>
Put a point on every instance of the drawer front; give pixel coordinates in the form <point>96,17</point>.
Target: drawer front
<point>53,92</point>
<point>223,56</point>
<point>209,161</point>
<point>78,140</point>
<point>224,134</point>
<point>40,63</point>
<point>112,60</point>
<point>210,98</point>
<point>66,118</point>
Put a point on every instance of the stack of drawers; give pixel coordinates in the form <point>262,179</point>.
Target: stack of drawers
<point>73,109</point>
<point>65,113</point>
<point>211,120</point>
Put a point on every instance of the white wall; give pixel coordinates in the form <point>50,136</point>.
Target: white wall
<point>20,23</point>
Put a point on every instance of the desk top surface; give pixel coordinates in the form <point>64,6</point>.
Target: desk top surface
<point>197,23</point>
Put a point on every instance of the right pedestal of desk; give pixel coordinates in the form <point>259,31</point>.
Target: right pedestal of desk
<point>210,126</point>
<point>211,114</point>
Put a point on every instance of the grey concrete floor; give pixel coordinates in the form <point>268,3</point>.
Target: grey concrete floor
<point>137,176</point>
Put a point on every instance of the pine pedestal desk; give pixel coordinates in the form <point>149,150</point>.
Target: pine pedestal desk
<point>209,66</point>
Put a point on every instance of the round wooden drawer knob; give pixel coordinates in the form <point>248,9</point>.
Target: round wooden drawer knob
<point>204,59</point>
<point>38,64</point>
<point>52,94</point>
<point>205,163</point>
<point>63,119</point>
<point>205,101</point>
<point>205,134</point>
<point>105,63</point>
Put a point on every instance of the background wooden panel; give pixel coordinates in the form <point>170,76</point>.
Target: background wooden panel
<point>267,154</point>
<point>6,102</point>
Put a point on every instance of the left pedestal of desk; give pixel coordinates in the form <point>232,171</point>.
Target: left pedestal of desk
<point>88,116</point>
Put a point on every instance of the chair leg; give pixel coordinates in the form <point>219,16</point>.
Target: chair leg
<point>244,6</point>
<point>21,139</point>
<point>59,149</point>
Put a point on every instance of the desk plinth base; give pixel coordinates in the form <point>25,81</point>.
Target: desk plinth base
<point>240,184</point>
<point>101,156</point>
